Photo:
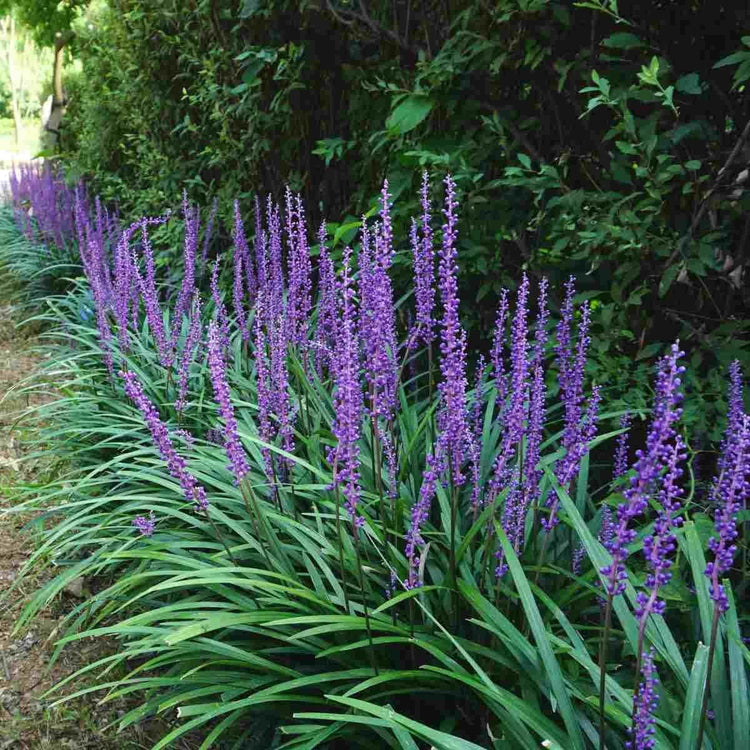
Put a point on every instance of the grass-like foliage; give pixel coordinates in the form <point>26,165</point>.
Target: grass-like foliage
<point>38,243</point>
<point>312,524</point>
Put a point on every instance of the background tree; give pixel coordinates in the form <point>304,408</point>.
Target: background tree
<point>49,23</point>
<point>24,68</point>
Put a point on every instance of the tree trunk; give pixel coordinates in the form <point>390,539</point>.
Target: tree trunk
<point>51,136</point>
<point>10,51</point>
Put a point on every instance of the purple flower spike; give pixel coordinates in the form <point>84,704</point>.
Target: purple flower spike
<point>299,299</point>
<point>176,464</point>
<point>282,405</point>
<point>579,555</point>
<point>145,525</point>
<point>736,400</point>
<point>325,331</point>
<point>147,287</point>
<point>243,261</point>
<point>496,355</point>
<point>274,303</point>
<point>260,249</point>
<point>648,466</point>
<point>535,428</point>
<point>579,429</point>
<point>621,452</point>
<point>424,269</point>
<point>659,546</point>
<point>730,491</point>
<point>263,386</point>
<point>195,330</point>
<point>519,365</point>
<point>124,285</point>
<point>188,279</point>
<point>419,514</point>
<point>452,419</point>
<point>645,703</point>
<point>217,367</point>
<point>475,431</point>
<point>377,316</point>
<point>504,474</point>
<point>220,310</point>
<point>238,292</point>
<point>607,529</point>
<point>347,399</point>
<point>247,257</point>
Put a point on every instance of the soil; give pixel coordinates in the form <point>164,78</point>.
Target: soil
<point>27,720</point>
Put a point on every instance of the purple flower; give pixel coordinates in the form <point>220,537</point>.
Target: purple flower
<point>248,263</point>
<point>496,354</point>
<point>192,340</point>
<point>390,461</point>
<point>535,429</point>
<point>280,388</point>
<point>514,417</point>
<point>452,418</point>
<point>475,433</point>
<point>176,464</point>
<point>420,512</point>
<point>188,278</point>
<point>147,288</point>
<point>145,525</point>
<point>238,291</point>
<point>579,554</point>
<point>299,296</point>
<point>215,436</point>
<point>260,248</point>
<point>217,367</point>
<point>377,314</point>
<point>658,546</point>
<point>513,414</point>
<point>186,438</point>
<point>246,285</point>
<point>736,400</point>
<point>730,491</point>
<point>96,267</point>
<point>648,466</point>
<point>579,429</point>
<point>645,703</point>
<point>124,284</point>
<point>274,302</point>
<point>621,451</point>
<point>220,310</point>
<point>424,269</point>
<point>607,528</point>
<point>347,399</point>
<point>263,391</point>
<point>735,411</point>
<point>325,330</point>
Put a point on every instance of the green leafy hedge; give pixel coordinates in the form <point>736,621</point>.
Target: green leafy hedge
<point>581,141</point>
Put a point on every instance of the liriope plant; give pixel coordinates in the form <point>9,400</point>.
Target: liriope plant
<point>311,527</point>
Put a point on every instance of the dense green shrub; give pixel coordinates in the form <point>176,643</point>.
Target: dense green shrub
<point>582,142</point>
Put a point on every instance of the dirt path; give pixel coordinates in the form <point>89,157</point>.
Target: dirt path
<point>26,720</point>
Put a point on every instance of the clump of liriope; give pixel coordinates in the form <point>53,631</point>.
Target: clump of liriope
<point>351,489</point>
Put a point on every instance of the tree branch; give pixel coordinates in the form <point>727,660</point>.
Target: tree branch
<point>342,15</point>
<point>707,197</point>
<point>516,132</point>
